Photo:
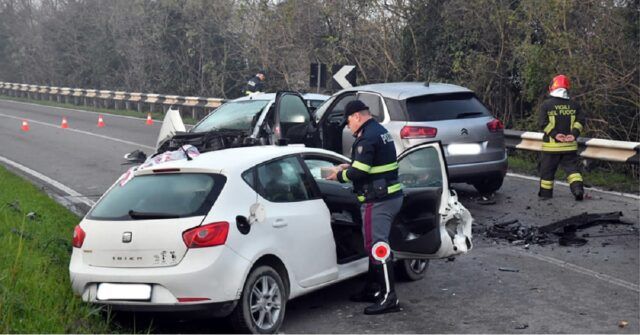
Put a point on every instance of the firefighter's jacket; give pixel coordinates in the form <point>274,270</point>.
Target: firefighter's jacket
<point>254,85</point>
<point>374,168</point>
<point>560,116</point>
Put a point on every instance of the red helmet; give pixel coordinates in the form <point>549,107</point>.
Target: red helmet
<point>559,81</point>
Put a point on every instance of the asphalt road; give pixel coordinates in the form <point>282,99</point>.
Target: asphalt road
<point>587,289</point>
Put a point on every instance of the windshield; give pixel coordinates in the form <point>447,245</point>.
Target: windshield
<point>234,115</point>
<point>160,196</point>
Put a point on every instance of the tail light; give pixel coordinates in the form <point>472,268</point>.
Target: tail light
<point>78,236</point>
<point>418,132</point>
<point>495,126</point>
<point>209,235</point>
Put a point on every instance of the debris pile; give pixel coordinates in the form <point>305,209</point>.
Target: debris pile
<point>518,233</point>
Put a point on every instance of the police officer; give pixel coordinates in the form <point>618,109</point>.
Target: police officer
<point>374,173</point>
<point>255,84</point>
<point>561,120</point>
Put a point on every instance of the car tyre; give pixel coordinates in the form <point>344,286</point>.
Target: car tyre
<point>262,304</point>
<point>412,269</point>
<point>488,185</point>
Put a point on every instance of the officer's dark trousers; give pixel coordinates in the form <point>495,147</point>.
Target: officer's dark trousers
<point>549,163</point>
<point>377,218</point>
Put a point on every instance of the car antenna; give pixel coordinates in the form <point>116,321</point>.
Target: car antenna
<point>186,153</point>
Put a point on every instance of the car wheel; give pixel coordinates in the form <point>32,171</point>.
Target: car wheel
<point>412,269</point>
<point>489,185</point>
<point>262,304</point>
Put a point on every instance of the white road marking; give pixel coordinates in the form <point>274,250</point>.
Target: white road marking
<point>81,132</point>
<point>76,196</point>
<point>585,271</point>
<point>79,110</point>
<point>537,179</point>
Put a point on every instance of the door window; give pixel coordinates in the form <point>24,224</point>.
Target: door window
<point>283,180</point>
<point>293,110</point>
<point>315,166</point>
<point>421,168</point>
<point>374,102</point>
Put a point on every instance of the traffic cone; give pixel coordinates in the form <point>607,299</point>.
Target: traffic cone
<point>149,119</point>
<point>100,121</point>
<point>64,124</point>
<point>25,125</point>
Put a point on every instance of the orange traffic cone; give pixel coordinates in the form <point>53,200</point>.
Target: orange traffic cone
<point>64,124</point>
<point>149,119</point>
<point>100,121</point>
<point>25,125</point>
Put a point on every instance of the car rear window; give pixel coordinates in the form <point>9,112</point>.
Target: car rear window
<point>445,107</point>
<point>160,196</point>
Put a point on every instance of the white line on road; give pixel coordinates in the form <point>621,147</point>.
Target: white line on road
<point>80,131</point>
<point>626,195</point>
<point>79,110</point>
<point>77,197</point>
<point>579,269</point>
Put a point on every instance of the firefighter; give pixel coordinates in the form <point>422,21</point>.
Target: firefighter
<point>561,120</point>
<point>374,174</point>
<point>255,84</point>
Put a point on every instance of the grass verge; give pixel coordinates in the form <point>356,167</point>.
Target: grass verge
<point>125,112</point>
<point>527,163</point>
<point>35,292</point>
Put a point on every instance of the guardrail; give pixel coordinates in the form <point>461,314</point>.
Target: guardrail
<point>591,148</point>
<point>141,102</point>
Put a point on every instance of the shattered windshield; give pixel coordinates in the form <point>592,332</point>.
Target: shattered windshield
<point>235,115</point>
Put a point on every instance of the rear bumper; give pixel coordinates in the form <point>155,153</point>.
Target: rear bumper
<point>469,172</point>
<point>209,309</point>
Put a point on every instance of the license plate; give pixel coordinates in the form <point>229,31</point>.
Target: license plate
<point>464,149</point>
<point>108,291</point>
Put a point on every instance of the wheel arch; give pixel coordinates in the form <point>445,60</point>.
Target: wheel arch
<point>276,263</point>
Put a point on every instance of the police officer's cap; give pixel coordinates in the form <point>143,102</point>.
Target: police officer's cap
<point>354,107</point>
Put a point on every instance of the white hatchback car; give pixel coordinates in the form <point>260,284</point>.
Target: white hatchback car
<point>240,231</point>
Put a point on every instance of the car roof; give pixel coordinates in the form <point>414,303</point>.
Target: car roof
<point>406,90</point>
<point>272,96</point>
<point>240,159</point>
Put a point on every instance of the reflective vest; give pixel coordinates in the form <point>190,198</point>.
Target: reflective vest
<point>374,167</point>
<point>560,116</point>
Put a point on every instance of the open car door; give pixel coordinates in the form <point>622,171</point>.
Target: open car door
<point>293,120</point>
<point>432,223</point>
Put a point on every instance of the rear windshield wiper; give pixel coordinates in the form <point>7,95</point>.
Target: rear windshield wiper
<point>463,115</point>
<point>149,215</point>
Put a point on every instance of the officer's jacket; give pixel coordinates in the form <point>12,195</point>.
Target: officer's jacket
<point>254,85</point>
<point>373,163</point>
<point>559,116</point>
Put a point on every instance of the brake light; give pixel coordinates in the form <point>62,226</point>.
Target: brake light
<point>78,237</point>
<point>165,170</point>
<point>418,132</point>
<point>209,235</point>
<point>495,125</point>
<point>192,299</point>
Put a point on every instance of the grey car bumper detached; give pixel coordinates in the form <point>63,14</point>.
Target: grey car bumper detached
<point>474,171</point>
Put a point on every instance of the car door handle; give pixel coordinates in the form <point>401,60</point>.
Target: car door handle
<point>279,223</point>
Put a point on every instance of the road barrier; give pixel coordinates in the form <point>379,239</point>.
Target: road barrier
<point>141,102</point>
<point>591,148</point>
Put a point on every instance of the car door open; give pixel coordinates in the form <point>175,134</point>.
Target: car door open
<point>432,223</point>
<point>293,119</point>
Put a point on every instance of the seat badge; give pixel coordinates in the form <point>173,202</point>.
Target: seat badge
<point>126,237</point>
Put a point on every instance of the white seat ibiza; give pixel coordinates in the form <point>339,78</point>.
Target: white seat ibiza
<point>238,232</point>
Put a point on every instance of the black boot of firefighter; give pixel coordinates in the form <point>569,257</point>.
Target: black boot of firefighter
<point>577,189</point>
<point>388,301</point>
<point>371,290</point>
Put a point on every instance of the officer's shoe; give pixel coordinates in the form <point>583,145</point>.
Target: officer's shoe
<point>390,304</point>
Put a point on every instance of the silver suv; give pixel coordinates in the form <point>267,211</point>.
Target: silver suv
<point>421,112</point>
